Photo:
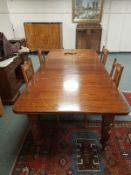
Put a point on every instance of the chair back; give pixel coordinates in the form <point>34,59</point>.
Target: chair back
<point>117,73</point>
<point>104,55</point>
<point>113,67</point>
<point>41,56</point>
<point>27,70</point>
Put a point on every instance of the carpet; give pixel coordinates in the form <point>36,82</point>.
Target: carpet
<point>71,149</point>
<point>127,95</point>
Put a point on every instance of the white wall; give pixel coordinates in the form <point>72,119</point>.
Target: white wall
<point>5,25</point>
<point>115,20</point>
<point>119,26</point>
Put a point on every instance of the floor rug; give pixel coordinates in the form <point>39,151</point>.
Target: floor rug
<point>71,149</point>
<point>127,95</point>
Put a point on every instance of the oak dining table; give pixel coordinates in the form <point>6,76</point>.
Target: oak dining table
<point>72,82</point>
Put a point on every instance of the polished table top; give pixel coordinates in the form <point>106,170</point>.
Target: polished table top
<point>71,81</point>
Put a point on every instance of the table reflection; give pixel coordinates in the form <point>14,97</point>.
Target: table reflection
<point>71,84</point>
<point>69,107</point>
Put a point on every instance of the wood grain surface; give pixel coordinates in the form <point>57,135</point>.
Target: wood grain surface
<point>76,82</point>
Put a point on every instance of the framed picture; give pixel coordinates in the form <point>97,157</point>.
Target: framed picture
<point>87,10</point>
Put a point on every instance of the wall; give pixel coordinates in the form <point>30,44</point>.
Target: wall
<point>5,24</point>
<point>119,25</point>
<point>115,20</point>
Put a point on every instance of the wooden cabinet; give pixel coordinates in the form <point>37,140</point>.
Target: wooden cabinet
<point>22,41</point>
<point>88,36</point>
<point>11,78</point>
<point>43,35</point>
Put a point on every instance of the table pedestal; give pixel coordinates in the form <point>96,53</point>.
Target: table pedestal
<point>107,124</point>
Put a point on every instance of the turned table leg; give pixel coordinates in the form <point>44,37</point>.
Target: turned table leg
<point>35,128</point>
<point>107,124</point>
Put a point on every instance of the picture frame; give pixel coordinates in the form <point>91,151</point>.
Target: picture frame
<point>87,11</point>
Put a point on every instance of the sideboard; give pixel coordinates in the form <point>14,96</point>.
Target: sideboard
<point>88,36</point>
<point>11,79</point>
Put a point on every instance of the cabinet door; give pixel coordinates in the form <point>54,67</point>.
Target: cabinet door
<point>12,85</point>
<point>95,38</point>
<point>54,35</point>
<point>81,42</point>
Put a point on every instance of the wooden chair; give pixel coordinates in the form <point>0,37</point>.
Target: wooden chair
<point>103,59</point>
<point>118,69</point>
<point>1,108</point>
<point>104,55</point>
<point>113,67</point>
<point>41,56</point>
<point>27,70</point>
<point>101,52</point>
<point>115,73</point>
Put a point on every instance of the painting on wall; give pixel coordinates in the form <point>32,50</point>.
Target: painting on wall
<point>87,11</point>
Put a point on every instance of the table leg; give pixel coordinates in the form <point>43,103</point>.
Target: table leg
<point>107,124</point>
<point>35,128</point>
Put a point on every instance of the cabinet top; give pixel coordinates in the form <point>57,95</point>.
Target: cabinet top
<point>42,22</point>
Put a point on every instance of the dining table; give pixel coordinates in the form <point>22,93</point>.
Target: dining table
<point>72,81</point>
